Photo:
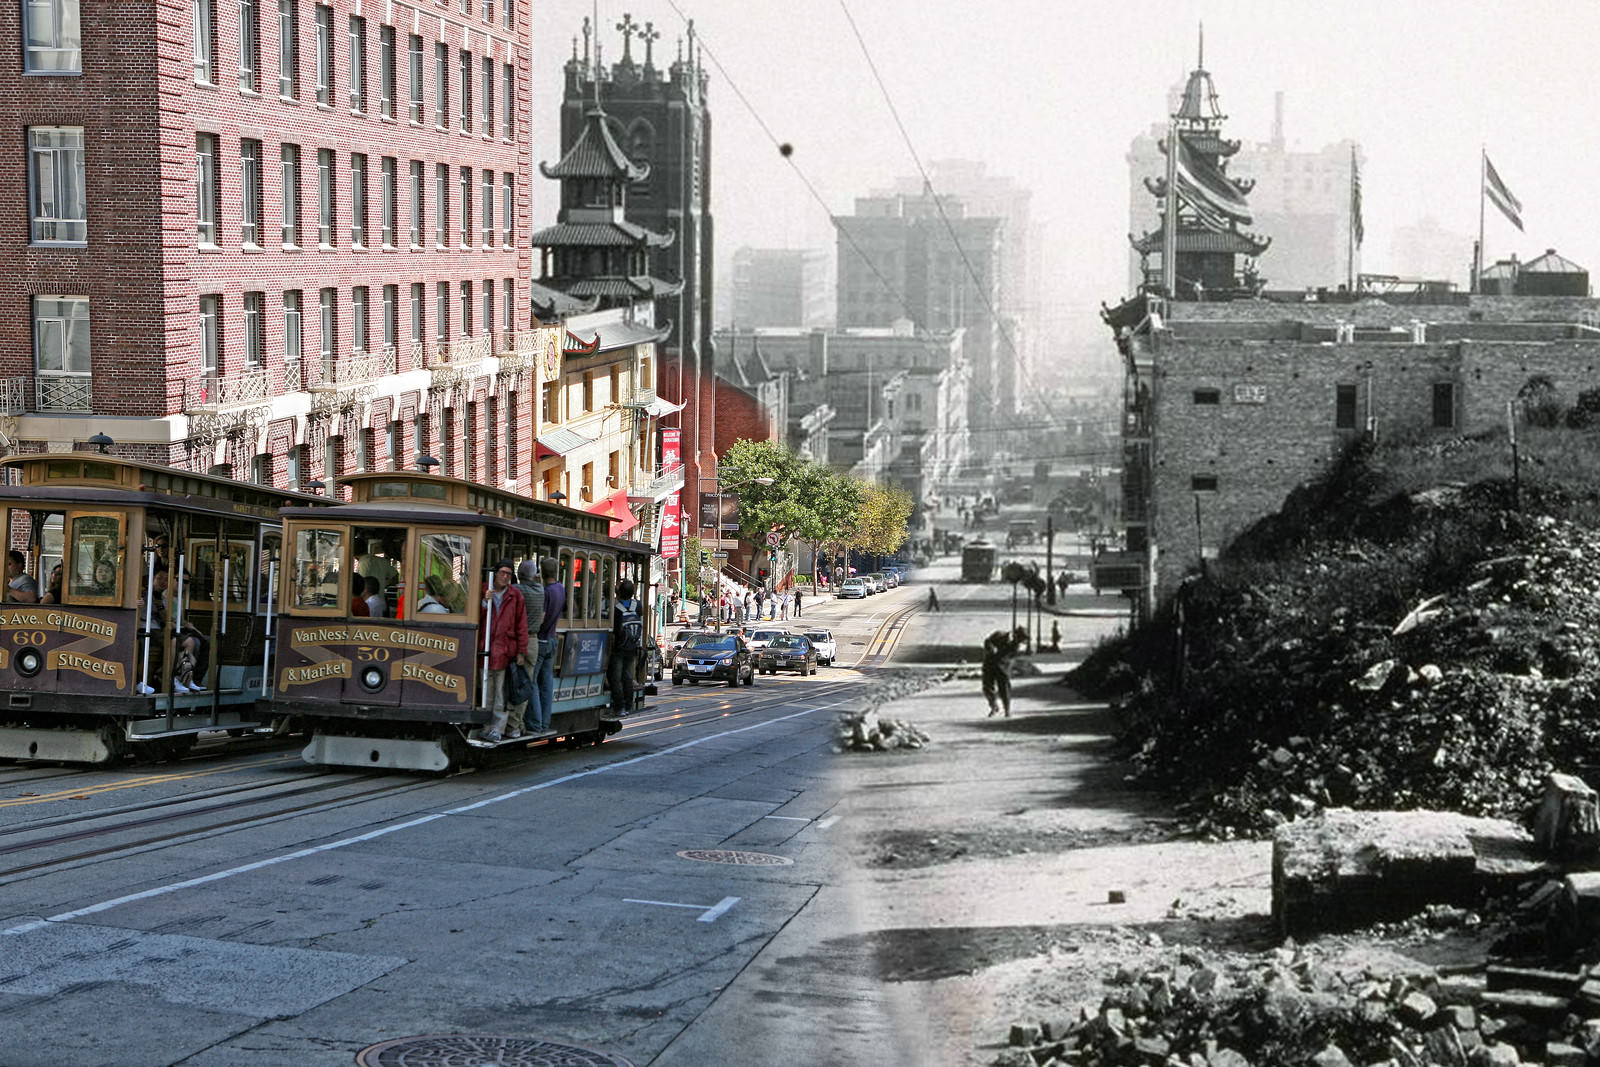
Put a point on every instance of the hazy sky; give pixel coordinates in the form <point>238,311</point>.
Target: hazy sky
<point>1050,92</point>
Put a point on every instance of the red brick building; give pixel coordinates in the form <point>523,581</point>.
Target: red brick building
<point>282,236</point>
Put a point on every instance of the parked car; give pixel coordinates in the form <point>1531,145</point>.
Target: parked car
<point>788,652</point>
<point>852,589</point>
<point>714,658</point>
<point>877,579</point>
<point>760,638</point>
<point>822,641</point>
<point>670,653</point>
<point>891,579</point>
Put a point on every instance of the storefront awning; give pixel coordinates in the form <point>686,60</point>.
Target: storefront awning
<point>558,442</point>
<point>615,507</point>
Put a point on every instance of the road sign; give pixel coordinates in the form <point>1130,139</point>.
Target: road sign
<point>719,555</point>
<point>774,539</point>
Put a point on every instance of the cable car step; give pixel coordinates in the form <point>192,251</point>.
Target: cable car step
<point>388,753</point>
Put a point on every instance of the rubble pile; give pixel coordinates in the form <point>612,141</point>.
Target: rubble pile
<point>1290,1008</point>
<point>865,731</point>
<point>1435,649</point>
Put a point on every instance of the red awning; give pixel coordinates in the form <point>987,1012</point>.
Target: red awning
<point>615,507</point>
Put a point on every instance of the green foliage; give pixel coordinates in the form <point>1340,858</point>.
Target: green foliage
<point>1541,403</point>
<point>885,511</point>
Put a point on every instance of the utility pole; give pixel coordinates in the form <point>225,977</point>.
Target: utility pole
<point>1049,559</point>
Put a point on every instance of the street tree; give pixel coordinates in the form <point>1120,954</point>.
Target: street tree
<point>885,515</point>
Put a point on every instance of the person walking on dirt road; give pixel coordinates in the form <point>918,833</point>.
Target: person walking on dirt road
<point>999,650</point>
<point>933,599</point>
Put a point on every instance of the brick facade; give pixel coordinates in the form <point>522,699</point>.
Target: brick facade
<point>143,104</point>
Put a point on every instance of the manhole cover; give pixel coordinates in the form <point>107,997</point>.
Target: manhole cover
<point>747,859</point>
<point>483,1050</point>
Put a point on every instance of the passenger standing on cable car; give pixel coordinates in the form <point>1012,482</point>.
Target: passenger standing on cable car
<point>527,713</point>
<point>507,623</point>
<point>544,672</point>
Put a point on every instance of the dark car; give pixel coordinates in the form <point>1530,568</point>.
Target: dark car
<point>788,652</point>
<point>714,658</point>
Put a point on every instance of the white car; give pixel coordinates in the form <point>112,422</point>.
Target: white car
<point>852,589</point>
<point>822,641</point>
<point>759,639</point>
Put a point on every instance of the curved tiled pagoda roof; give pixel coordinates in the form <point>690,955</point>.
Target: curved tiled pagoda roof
<point>617,233</point>
<point>596,154</point>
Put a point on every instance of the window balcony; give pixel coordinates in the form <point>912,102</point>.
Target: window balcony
<point>63,392</point>
<point>652,487</point>
<point>454,362</point>
<point>13,395</point>
<point>218,392</point>
<point>360,367</point>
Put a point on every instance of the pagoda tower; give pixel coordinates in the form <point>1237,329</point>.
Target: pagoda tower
<point>593,256</point>
<point>1209,206</point>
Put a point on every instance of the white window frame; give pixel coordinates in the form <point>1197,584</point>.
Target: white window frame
<point>327,326</point>
<point>293,339</point>
<point>441,205</point>
<point>360,297</point>
<point>63,147</point>
<point>324,55</point>
<point>250,192</point>
<point>51,31</point>
<point>391,316</point>
<point>288,50</point>
<point>486,307</point>
<point>508,293</point>
<point>71,315</point>
<point>325,201</point>
<point>508,102</point>
<point>417,179</point>
<point>465,181</point>
<point>466,307</point>
<point>441,85</point>
<point>358,200</point>
<point>488,191</point>
<point>465,93</point>
<point>204,26</point>
<point>487,63</point>
<point>419,324</point>
<point>414,78</point>
<point>210,333</point>
<point>205,178</point>
<point>441,310</point>
<point>390,181</point>
<point>358,65</point>
<point>250,46</point>
<point>254,338</point>
<point>289,155</point>
<point>508,204</point>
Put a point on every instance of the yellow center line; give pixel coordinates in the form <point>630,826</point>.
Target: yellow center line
<point>134,783</point>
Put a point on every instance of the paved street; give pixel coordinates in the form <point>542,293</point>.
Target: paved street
<point>251,910</point>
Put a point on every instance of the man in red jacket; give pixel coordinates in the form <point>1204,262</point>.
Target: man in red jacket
<point>507,621</point>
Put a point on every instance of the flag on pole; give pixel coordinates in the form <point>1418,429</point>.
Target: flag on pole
<point>1204,187</point>
<point>1499,195</point>
<point>1357,227</point>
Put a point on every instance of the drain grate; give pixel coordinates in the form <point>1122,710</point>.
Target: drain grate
<point>745,859</point>
<point>483,1050</point>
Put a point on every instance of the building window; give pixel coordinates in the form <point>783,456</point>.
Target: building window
<point>1203,483</point>
<point>249,46</point>
<point>417,325</point>
<point>466,206</point>
<point>297,455</point>
<point>392,446</point>
<point>391,316</point>
<point>419,434</point>
<point>291,196</point>
<point>1444,405</point>
<point>358,318</point>
<point>508,192</point>
<point>508,98</point>
<point>488,96</point>
<point>261,470</point>
<point>56,185</point>
<point>325,197</point>
<point>1344,407</point>
<point>363,449</point>
<point>441,310</point>
<point>615,396</point>
<point>441,205</point>
<point>205,174</point>
<point>588,481</point>
<point>508,301</point>
<point>358,64</point>
<point>386,197</point>
<point>253,339</point>
<point>488,208</point>
<point>288,50</point>
<point>488,10</point>
<point>324,54</point>
<point>386,71</point>
<point>1208,396</point>
<point>551,403</point>
<point>358,199</point>
<point>250,192</point>
<point>447,443</point>
<point>291,334</point>
<point>466,91</point>
<point>588,391</point>
<point>416,203</point>
<point>511,435</point>
<point>506,6</point>
<point>614,470</point>
<point>441,86</point>
<point>61,338</point>
<point>466,309</point>
<point>487,298</point>
<point>414,76</point>
<point>54,44</point>
<point>329,308</point>
<point>470,441</point>
<point>205,25</point>
<point>210,331</point>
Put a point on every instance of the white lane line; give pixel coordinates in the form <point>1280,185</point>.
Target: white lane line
<point>786,818</point>
<point>163,890</point>
<point>708,914</point>
<point>829,821</point>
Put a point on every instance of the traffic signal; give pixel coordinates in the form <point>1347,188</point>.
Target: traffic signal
<point>705,558</point>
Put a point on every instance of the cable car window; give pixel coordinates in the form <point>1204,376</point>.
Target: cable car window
<point>94,566</point>
<point>213,575</point>
<point>314,577</point>
<point>574,572</point>
<point>440,582</point>
<point>379,561</point>
<point>594,591</point>
<point>606,579</point>
<point>271,551</point>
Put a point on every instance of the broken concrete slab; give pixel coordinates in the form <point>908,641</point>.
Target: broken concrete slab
<point>1344,868</point>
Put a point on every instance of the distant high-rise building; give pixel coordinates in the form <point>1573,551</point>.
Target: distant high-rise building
<point>781,287</point>
<point>1300,199</point>
<point>900,257</point>
<point>1429,251</point>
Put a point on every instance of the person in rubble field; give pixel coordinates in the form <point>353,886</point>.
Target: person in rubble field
<point>20,586</point>
<point>506,618</point>
<point>1000,649</point>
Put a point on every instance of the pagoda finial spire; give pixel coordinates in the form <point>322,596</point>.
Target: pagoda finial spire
<point>587,29</point>
<point>1200,64</point>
